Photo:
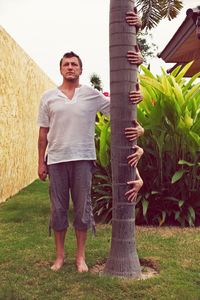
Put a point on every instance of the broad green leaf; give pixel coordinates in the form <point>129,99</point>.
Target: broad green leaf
<point>192,212</point>
<point>166,86</point>
<point>176,71</point>
<point>154,83</point>
<point>190,220</point>
<point>103,177</point>
<point>196,126</point>
<point>146,104</point>
<point>190,82</point>
<point>145,205</point>
<point>184,162</point>
<point>180,203</point>
<point>146,71</point>
<point>181,126</point>
<point>183,71</point>
<point>194,108</point>
<point>177,176</point>
<point>187,119</point>
<point>191,93</point>
<point>195,136</point>
<point>104,198</point>
<point>169,113</point>
<point>142,117</point>
<point>105,185</point>
<point>178,92</point>
<point>154,192</point>
<point>177,106</point>
<point>163,73</point>
<point>103,154</point>
<point>177,215</point>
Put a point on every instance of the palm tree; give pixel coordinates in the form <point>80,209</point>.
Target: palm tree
<point>123,259</point>
<point>153,11</point>
<point>96,82</point>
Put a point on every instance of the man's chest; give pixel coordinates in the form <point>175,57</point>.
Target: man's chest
<point>77,107</point>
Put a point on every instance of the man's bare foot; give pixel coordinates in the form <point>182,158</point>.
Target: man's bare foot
<point>81,266</point>
<point>57,264</point>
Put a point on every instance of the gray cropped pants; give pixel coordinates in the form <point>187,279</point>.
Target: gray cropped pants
<point>75,178</point>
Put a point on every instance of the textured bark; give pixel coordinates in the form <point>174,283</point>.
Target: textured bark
<point>123,259</point>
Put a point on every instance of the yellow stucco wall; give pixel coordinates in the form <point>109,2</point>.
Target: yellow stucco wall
<point>21,84</point>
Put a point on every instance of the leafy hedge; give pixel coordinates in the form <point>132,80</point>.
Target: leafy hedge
<point>170,167</point>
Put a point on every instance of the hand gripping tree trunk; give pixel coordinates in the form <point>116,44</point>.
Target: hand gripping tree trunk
<point>123,259</point>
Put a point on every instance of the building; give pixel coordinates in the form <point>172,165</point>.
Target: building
<point>184,46</point>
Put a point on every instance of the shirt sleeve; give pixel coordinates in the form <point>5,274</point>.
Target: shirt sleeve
<point>103,104</point>
<point>43,116</point>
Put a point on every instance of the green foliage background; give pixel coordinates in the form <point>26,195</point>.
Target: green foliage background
<point>170,166</point>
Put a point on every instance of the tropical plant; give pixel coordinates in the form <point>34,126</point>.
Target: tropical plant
<point>96,82</point>
<point>153,11</point>
<point>170,114</point>
<point>102,179</point>
<point>170,166</point>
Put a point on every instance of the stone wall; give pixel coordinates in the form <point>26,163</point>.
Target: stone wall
<point>22,83</point>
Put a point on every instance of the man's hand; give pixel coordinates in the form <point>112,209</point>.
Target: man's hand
<point>132,133</point>
<point>133,19</point>
<point>135,157</point>
<point>42,171</point>
<point>135,57</point>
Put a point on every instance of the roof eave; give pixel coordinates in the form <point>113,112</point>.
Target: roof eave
<point>183,32</point>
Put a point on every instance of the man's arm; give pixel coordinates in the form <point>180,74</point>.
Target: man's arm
<point>42,145</point>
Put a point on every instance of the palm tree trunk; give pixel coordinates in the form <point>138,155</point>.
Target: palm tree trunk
<point>123,259</point>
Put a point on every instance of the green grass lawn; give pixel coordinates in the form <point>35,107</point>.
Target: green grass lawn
<point>26,253</point>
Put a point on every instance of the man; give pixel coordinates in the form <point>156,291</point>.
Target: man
<point>67,122</point>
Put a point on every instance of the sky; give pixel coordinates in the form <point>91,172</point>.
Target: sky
<point>46,29</point>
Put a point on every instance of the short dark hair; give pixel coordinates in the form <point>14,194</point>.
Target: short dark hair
<point>71,54</point>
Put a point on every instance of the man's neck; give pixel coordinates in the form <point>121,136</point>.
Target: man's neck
<point>68,85</point>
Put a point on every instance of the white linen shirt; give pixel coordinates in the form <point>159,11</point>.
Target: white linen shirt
<point>71,123</point>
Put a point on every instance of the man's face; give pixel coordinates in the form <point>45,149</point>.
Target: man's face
<point>70,68</point>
